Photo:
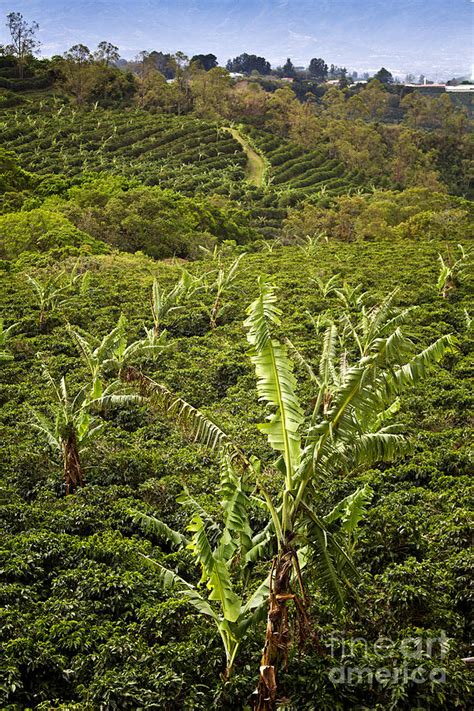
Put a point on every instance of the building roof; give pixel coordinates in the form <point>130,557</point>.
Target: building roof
<point>461,88</point>
<point>427,86</point>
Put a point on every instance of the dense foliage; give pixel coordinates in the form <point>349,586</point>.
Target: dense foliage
<point>75,587</point>
<point>130,593</point>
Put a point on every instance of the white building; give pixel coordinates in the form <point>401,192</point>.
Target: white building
<point>461,89</point>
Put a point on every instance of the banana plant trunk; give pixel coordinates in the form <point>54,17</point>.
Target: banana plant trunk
<point>73,473</point>
<point>449,285</point>
<point>277,637</point>
<point>214,312</point>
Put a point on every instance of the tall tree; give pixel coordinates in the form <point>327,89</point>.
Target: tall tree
<point>205,61</point>
<point>248,63</point>
<point>369,103</point>
<point>318,69</point>
<point>211,92</point>
<point>107,53</point>
<point>164,63</point>
<point>23,39</point>
<point>288,69</point>
<point>77,71</point>
<point>384,76</point>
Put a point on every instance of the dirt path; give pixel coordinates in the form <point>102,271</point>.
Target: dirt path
<point>255,168</point>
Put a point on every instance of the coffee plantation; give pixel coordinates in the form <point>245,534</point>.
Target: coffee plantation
<point>235,404</point>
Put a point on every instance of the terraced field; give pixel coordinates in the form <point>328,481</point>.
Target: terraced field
<point>147,518</point>
<point>187,154</point>
<point>184,153</point>
<point>302,172</point>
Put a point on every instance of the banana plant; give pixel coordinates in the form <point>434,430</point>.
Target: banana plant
<point>50,295</point>
<point>165,302</point>
<point>468,320</point>
<point>451,271</point>
<point>97,353</point>
<point>344,429</point>
<point>326,288</point>
<point>310,245</point>
<point>113,351</point>
<point>224,281</point>
<point>351,296</point>
<point>58,290</point>
<point>268,247</point>
<point>5,334</point>
<point>219,551</point>
<point>71,426</point>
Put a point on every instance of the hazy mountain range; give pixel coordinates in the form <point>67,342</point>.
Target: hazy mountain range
<point>433,37</point>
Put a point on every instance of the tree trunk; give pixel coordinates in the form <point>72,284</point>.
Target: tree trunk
<point>215,311</point>
<point>73,474</point>
<point>277,638</point>
<point>449,285</point>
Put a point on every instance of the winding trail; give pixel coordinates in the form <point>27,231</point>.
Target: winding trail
<point>255,168</point>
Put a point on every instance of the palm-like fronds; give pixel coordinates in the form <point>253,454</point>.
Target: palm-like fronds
<point>236,504</point>
<point>97,353</point>
<point>168,580</point>
<point>113,350</point>
<point>72,425</point>
<point>189,418</point>
<point>451,271</point>
<point>350,434</point>
<point>5,334</point>
<point>68,414</point>
<point>50,294</point>
<point>154,526</point>
<point>165,302</point>
<point>213,549</point>
<point>276,382</point>
<point>329,556</point>
<point>326,288</point>
<point>222,284</point>
<point>58,290</point>
<point>214,570</point>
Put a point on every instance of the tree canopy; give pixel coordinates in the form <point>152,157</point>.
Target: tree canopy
<point>248,63</point>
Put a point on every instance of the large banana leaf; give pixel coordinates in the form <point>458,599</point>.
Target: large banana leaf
<point>188,417</point>
<point>276,383</point>
<point>166,578</point>
<point>154,526</point>
<point>364,393</point>
<point>235,503</point>
<point>350,510</point>
<point>221,591</point>
<point>330,559</point>
<point>214,571</point>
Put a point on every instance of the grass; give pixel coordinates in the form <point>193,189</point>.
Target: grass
<point>256,166</point>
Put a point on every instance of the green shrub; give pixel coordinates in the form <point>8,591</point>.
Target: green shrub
<point>41,230</point>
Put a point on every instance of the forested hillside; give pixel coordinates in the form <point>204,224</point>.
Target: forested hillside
<point>236,396</point>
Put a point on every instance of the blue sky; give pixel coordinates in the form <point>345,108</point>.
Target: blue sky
<point>434,37</point>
